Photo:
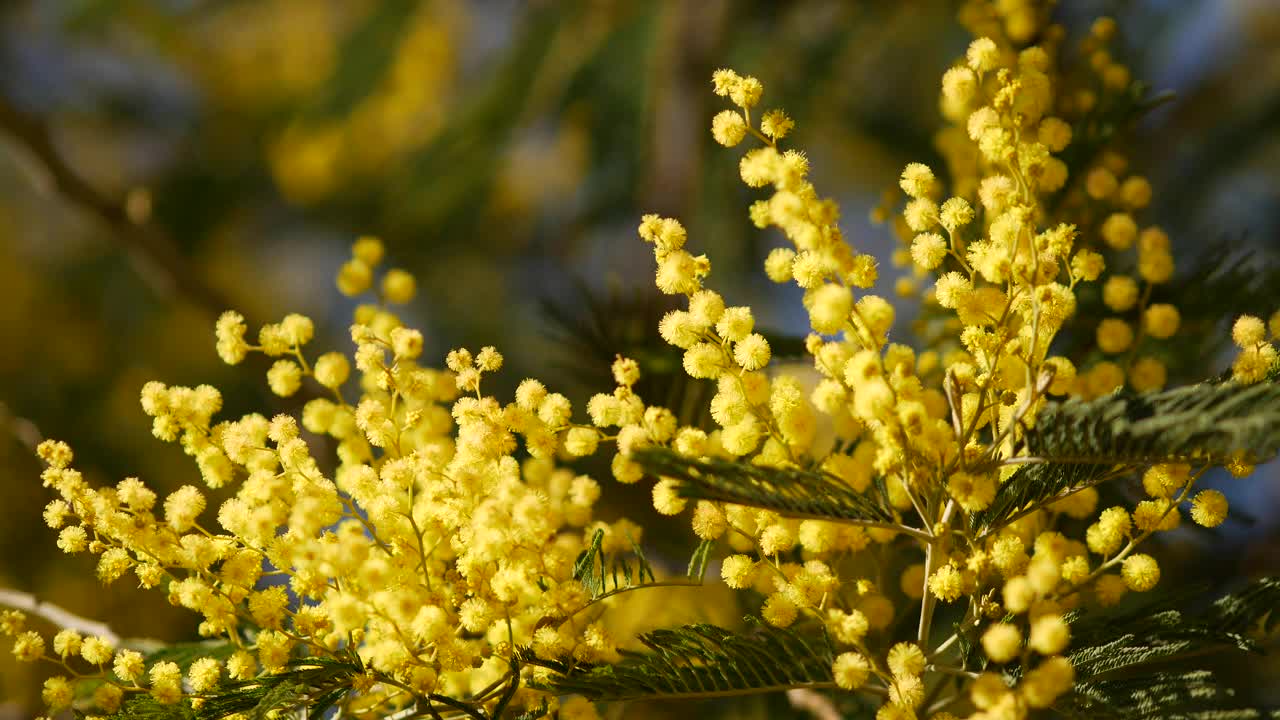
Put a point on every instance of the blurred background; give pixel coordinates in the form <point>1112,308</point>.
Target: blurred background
<point>164,160</point>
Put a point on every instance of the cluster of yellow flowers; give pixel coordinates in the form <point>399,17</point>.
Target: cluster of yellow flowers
<point>432,551</point>
<point>444,539</point>
<point>1008,248</point>
<point>1257,354</point>
<point>875,406</point>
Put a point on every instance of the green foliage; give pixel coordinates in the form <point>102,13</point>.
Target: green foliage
<point>793,493</point>
<point>367,53</point>
<point>592,328</point>
<point>470,146</point>
<point>1197,423</point>
<point>183,654</point>
<point>145,707</point>
<point>1115,655</point>
<point>315,683</point>
<point>696,661</point>
<point>1194,695</point>
<point>1225,283</point>
<point>699,560</point>
<point>1034,484</point>
<point>599,573</point>
<point>603,575</point>
<point>1115,114</point>
<point>1078,443</point>
<point>1241,610</point>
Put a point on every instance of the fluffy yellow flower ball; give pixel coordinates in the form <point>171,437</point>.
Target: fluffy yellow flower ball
<point>738,571</point>
<point>928,250</point>
<point>1114,336</point>
<point>399,286</point>
<point>983,55</point>
<point>906,659</point>
<point>728,128</point>
<point>1002,642</point>
<point>1161,320</point>
<point>1248,331</point>
<point>1049,635</point>
<point>851,670</point>
<point>1141,572</point>
<point>1209,508</point>
<point>917,180</point>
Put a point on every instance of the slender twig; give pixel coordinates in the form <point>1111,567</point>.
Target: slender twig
<point>1136,541</point>
<point>1113,474</point>
<point>943,703</point>
<point>930,558</point>
<point>22,429</point>
<point>926,600</point>
<point>57,615</point>
<point>942,647</point>
<point>160,262</point>
<point>949,670</point>
<point>814,703</point>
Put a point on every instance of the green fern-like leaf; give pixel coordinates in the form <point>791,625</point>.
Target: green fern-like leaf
<point>1194,695</point>
<point>145,707</point>
<point>601,574</point>
<point>315,683</point>
<point>1078,443</point>
<point>700,661</point>
<point>1206,422</point>
<point>183,654</point>
<point>1099,127</point>
<point>789,492</point>
<point>1226,282</point>
<point>1034,484</point>
<point>1255,604</point>
<point>1114,654</point>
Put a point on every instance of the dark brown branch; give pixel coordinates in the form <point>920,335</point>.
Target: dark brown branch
<point>159,262</point>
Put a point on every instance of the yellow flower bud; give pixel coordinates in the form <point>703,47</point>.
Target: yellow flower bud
<point>776,124</point>
<point>779,611</point>
<point>332,369</point>
<point>666,498</point>
<point>1018,595</point>
<point>368,250</point>
<point>1049,635</point>
<point>398,286</point>
<point>1002,642</point>
<point>928,250</point>
<point>1100,183</point>
<point>1114,336</point>
<point>1119,231</point>
<point>751,352</point>
<point>354,277</point>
